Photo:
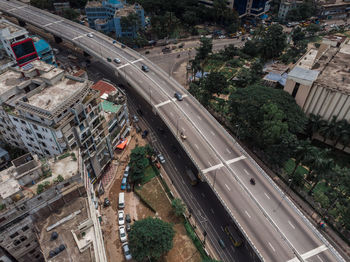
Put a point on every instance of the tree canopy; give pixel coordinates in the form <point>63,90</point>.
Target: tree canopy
<point>150,238</point>
<point>138,163</point>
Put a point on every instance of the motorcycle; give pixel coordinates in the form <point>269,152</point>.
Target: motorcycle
<point>183,137</point>
<point>252,181</point>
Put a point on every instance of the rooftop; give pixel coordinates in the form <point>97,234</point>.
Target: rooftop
<point>12,28</point>
<point>52,96</point>
<point>111,107</point>
<point>308,59</point>
<point>9,79</point>
<point>78,211</point>
<point>128,9</point>
<point>303,73</point>
<point>93,4</point>
<point>8,184</point>
<point>104,87</point>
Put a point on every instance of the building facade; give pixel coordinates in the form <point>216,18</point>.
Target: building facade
<point>286,6</point>
<point>106,16</point>
<point>50,112</point>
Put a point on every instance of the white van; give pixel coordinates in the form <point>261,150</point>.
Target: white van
<point>121,201</point>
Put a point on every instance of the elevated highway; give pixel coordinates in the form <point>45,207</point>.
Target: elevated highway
<point>271,223</point>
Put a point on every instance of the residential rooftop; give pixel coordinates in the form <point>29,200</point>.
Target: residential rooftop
<point>9,79</point>
<point>12,28</point>
<point>104,87</point>
<point>128,9</point>
<point>93,4</point>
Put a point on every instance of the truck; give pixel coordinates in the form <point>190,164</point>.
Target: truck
<point>233,235</point>
<point>193,178</point>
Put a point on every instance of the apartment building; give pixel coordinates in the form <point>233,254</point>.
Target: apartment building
<point>51,222</point>
<point>244,7</point>
<point>114,106</point>
<point>286,6</point>
<point>320,80</point>
<point>48,111</point>
<point>105,16</point>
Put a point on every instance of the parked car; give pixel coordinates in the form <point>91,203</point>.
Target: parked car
<point>147,52</point>
<point>161,158</point>
<point>123,185</point>
<point>121,217</point>
<point>158,165</point>
<point>106,202</point>
<point>128,227</point>
<point>135,118</point>
<point>145,68</point>
<point>145,133</point>
<point>178,96</point>
<point>222,37</point>
<point>90,35</point>
<point>109,60</point>
<point>117,60</point>
<point>127,218</point>
<point>127,251</point>
<point>126,171</point>
<point>114,41</point>
<point>138,129</point>
<point>122,234</point>
<point>128,187</point>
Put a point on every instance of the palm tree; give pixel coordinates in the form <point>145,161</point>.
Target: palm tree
<point>326,129</point>
<point>345,135</point>
<point>314,159</point>
<point>323,171</point>
<point>314,124</point>
<point>300,153</point>
<point>340,129</point>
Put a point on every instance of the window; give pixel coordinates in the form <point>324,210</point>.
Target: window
<point>15,119</point>
<point>295,90</point>
<point>23,122</point>
<point>32,251</point>
<point>23,238</point>
<point>16,242</point>
<point>43,144</point>
<point>39,135</point>
<point>24,229</point>
<point>35,127</point>
<point>28,245</point>
<point>14,235</point>
<point>42,119</point>
<point>47,152</point>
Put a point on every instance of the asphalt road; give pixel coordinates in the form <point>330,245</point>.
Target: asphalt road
<point>269,221</point>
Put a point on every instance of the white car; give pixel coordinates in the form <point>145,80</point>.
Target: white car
<point>117,60</point>
<point>120,217</point>
<point>222,37</point>
<point>90,35</point>
<point>122,234</point>
<point>161,158</point>
<point>126,251</point>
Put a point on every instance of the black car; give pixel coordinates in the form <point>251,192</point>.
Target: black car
<point>127,218</point>
<point>144,133</point>
<point>109,60</point>
<point>106,202</point>
<point>178,96</point>
<point>145,68</point>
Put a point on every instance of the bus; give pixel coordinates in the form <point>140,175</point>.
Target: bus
<point>233,235</point>
<point>192,177</point>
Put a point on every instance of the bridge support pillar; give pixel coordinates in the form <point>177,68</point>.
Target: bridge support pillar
<point>21,23</point>
<point>58,39</point>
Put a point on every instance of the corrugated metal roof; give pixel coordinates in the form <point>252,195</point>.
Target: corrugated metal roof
<point>103,87</point>
<point>302,73</point>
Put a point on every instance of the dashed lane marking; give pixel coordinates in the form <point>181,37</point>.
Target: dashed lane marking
<point>267,196</point>
<point>290,223</point>
<point>229,189</point>
<point>272,247</point>
<point>247,213</point>
<point>204,171</point>
<point>211,210</point>
<point>310,253</point>
<point>138,60</point>
<point>163,103</point>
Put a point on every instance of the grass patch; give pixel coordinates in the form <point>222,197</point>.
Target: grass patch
<point>195,239</point>
<point>149,174</point>
<point>290,165</point>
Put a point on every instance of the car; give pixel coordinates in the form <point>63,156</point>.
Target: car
<point>135,118</point>
<point>127,218</point>
<point>117,60</point>
<point>140,112</point>
<point>147,52</point>
<point>161,158</point>
<point>222,37</point>
<point>145,68</point>
<point>144,133</point>
<point>126,171</point>
<point>123,46</point>
<point>128,187</point>
<point>221,243</point>
<point>181,45</point>
<point>178,96</point>
<point>128,227</point>
<point>158,165</point>
<point>121,218</point>
<point>106,202</point>
<point>127,251</point>
<point>122,234</point>
<point>138,129</point>
<point>114,41</point>
<point>90,35</point>
<point>123,185</point>
<point>109,60</point>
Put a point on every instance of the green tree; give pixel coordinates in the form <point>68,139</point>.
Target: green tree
<point>70,14</point>
<point>273,42</point>
<point>138,163</point>
<point>322,171</point>
<point>178,206</point>
<point>312,29</point>
<point>215,83</point>
<point>204,49</point>
<point>301,151</point>
<point>251,48</point>
<point>150,238</point>
<point>314,124</point>
<point>42,4</point>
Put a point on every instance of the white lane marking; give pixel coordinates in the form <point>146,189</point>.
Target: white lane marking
<point>175,169</point>
<point>229,189</point>
<point>247,213</point>
<point>138,60</point>
<point>209,163</point>
<point>12,9</point>
<point>267,196</point>
<point>171,113</point>
<point>212,168</point>
<point>228,151</point>
<point>235,160</point>
<point>290,223</point>
<point>211,210</point>
<point>196,146</point>
<point>272,247</point>
<point>212,133</point>
<point>203,195</point>
<point>55,23</point>
<point>245,170</point>
<point>319,258</point>
<point>310,253</point>
<point>119,67</point>
<point>199,117</point>
<point>222,229</point>
<point>163,103</point>
<point>77,37</point>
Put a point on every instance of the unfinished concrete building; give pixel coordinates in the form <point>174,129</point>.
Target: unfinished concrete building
<point>55,201</point>
<point>47,111</point>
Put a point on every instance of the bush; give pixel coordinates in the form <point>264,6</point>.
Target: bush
<point>64,156</point>
<point>60,178</point>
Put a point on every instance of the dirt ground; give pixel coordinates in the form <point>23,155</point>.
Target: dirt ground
<point>179,74</point>
<point>183,249</point>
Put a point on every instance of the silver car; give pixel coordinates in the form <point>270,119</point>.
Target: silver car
<point>161,158</point>
<point>122,234</point>
<point>127,251</point>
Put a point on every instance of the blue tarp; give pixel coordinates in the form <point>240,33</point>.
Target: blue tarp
<point>264,16</point>
<point>277,77</point>
<point>199,74</point>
